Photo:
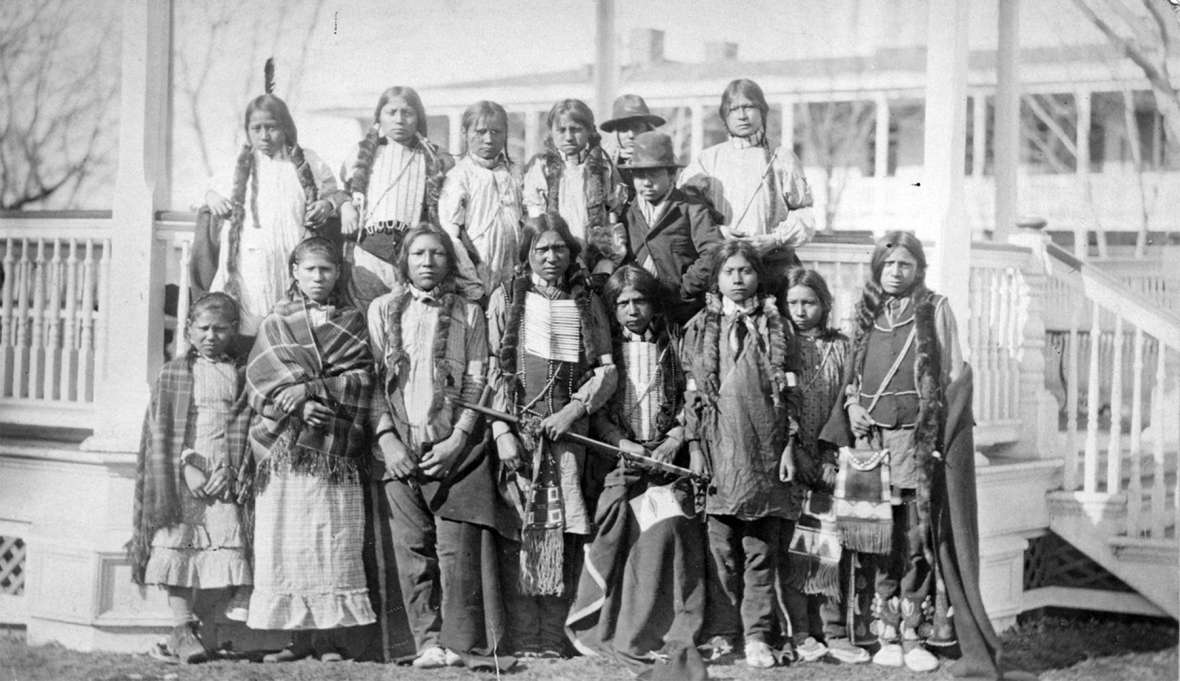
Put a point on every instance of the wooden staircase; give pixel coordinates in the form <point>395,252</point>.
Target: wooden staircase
<point>1118,502</point>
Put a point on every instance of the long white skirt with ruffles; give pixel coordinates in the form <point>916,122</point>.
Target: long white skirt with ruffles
<point>308,572</point>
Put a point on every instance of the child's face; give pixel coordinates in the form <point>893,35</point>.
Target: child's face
<point>633,310</point>
<point>744,117</point>
<point>487,137</point>
<point>398,120</point>
<point>570,136</point>
<point>804,307</point>
<point>737,279</point>
<point>899,272</point>
<point>625,135</point>
<point>651,183</point>
<point>210,333</point>
<point>550,257</point>
<point>316,276</point>
<point>265,134</point>
<point>426,261</point>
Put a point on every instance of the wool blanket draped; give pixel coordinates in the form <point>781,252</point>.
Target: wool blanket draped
<point>332,359</point>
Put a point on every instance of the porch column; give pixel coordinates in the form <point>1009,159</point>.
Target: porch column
<point>605,64</point>
<point>788,123</point>
<point>134,330</point>
<point>881,212</point>
<point>1007,123</point>
<point>697,143</point>
<point>454,132</point>
<point>945,144</point>
<point>532,141</point>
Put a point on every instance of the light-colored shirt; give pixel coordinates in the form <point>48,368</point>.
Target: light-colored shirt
<point>265,244</point>
<point>397,184</point>
<point>486,203</point>
<point>766,202</point>
<point>466,356</point>
<point>571,199</point>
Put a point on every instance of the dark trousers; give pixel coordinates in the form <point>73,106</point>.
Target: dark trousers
<point>536,624</point>
<point>437,571</point>
<point>820,616</point>
<point>742,574</point>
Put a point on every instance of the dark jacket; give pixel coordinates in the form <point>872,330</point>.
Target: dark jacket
<point>681,244</point>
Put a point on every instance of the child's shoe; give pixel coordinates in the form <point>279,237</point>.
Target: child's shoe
<point>759,655</point>
<point>187,645</point>
<point>431,657</point>
<point>889,655</point>
<point>811,650</point>
<point>716,649</point>
<point>238,607</point>
<point>918,659</point>
<point>842,650</point>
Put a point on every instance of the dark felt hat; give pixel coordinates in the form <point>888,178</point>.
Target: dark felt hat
<point>652,150</point>
<point>628,108</point>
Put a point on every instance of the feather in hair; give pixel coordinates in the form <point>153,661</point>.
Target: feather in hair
<point>268,76</point>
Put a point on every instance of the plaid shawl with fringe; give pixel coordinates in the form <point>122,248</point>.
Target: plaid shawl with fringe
<point>168,428</point>
<point>333,360</point>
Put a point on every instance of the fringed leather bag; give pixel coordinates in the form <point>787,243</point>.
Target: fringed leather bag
<point>863,485</point>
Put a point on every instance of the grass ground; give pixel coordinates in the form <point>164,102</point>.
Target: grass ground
<point>1056,647</point>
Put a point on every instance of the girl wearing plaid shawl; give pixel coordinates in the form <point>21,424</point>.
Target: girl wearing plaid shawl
<point>192,478</point>
<point>310,380</point>
<point>552,367</point>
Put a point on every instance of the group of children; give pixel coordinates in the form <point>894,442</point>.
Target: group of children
<point>473,337</point>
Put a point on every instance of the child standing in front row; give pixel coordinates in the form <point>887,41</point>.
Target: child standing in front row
<point>739,427</point>
<point>816,570</point>
<point>190,483</point>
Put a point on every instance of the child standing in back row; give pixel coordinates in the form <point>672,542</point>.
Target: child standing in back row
<point>191,480</point>
<point>278,194</point>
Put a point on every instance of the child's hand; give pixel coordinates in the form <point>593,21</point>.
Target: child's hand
<point>218,482</point>
<point>786,462</point>
<point>632,447</point>
<point>556,425</point>
<point>290,399</point>
<point>829,474</point>
<point>349,219</point>
<point>317,212</point>
<point>316,414</point>
<point>441,458</point>
<point>508,449</point>
<point>667,450</point>
<point>195,479</point>
<point>859,419</point>
<point>398,461</point>
<point>218,204</point>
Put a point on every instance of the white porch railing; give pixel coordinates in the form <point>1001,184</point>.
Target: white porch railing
<point>53,317</point>
<point>1121,411</point>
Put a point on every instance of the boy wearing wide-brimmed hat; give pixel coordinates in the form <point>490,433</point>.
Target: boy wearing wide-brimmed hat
<point>669,233</point>
<point>629,117</point>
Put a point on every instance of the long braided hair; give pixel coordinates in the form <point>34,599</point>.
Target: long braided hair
<point>245,172</point>
<point>437,163</point>
<point>598,236</point>
<point>519,287</point>
<point>928,355</point>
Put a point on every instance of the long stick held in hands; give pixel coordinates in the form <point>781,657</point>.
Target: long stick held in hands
<point>637,459</point>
